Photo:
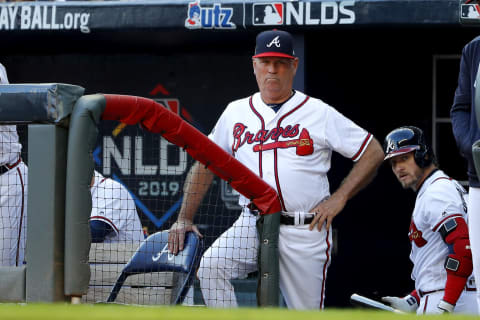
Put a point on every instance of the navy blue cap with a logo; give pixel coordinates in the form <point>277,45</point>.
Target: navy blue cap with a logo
<point>274,43</point>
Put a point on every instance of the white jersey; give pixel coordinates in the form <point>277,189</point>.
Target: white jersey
<point>113,204</point>
<point>291,150</point>
<point>440,198</point>
<point>9,144</point>
<point>270,144</point>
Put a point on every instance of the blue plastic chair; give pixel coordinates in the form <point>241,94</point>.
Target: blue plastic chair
<point>153,256</point>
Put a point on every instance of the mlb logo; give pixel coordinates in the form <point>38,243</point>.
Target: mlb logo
<point>470,11</point>
<point>267,14</point>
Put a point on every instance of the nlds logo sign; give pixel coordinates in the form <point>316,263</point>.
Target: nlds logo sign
<point>304,13</point>
<point>214,17</point>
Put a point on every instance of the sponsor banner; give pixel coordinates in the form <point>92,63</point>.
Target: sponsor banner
<point>44,17</point>
<point>348,12</point>
<point>304,13</point>
<point>85,17</point>
<point>213,16</point>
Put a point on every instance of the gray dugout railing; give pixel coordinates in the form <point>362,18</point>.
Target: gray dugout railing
<point>47,274</point>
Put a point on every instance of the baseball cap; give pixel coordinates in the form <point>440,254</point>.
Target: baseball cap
<point>3,75</point>
<point>274,43</point>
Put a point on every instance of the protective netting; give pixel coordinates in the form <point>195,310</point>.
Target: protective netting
<point>136,193</point>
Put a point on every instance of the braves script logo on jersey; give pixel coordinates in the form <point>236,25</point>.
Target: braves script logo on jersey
<point>415,235</point>
<point>303,145</point>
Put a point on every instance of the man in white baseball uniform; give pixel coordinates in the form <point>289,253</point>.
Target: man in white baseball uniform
<point>114,216</point>
<point>13,194</point>
<point>286,138</point>
<point>441,256</point>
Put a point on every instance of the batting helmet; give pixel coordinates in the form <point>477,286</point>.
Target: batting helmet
<point>407,139</point>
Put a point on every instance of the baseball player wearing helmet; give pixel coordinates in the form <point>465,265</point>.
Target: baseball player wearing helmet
<point>466,132</point>
<point>441,256</point>
<point>287,138</point>
<point>13,194</point>
<point>114,216</point>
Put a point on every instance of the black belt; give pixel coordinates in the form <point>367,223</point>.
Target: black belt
<point>290,220</point>
<point>424,293</point>
<point>7,167</point>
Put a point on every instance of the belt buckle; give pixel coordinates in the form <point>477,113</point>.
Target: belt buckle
<point>306,215</point>
<point>295,218</point>
<point>298,217</point>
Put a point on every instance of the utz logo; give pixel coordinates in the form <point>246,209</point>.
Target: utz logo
<point>268,14</point>
<point>214,17</point>
<point>470,11</point>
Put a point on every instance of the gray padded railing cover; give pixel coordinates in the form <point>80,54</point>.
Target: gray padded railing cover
<point>37,103</point>
<point>78,202</point>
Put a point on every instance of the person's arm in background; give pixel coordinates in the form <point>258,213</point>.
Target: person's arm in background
<point>102,207</point>
<point>99,230</point>
<point>196,185</point>
<point>459,263</point>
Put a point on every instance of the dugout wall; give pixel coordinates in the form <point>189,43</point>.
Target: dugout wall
<point>377,70</point>
<point>50,105</point>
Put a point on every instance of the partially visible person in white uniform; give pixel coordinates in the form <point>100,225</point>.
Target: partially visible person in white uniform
<point>441,255</point>
<point>287,138</point>
<point>13,194</point>
<point>114,216</point>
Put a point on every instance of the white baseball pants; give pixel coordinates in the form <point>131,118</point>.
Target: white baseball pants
<point>474,232</point>
<point>13,215</point>
<point>466,304</point>
<point>304,260</point>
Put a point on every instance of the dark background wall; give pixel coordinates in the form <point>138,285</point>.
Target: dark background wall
<point>380,77</point>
